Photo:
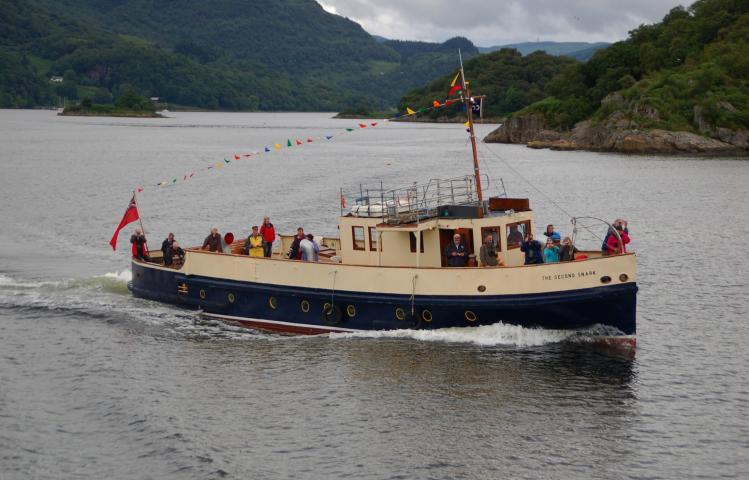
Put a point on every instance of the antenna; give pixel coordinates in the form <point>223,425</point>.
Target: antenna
<point>467,100</point>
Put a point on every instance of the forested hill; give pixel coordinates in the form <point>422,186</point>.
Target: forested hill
<point>223,54</point>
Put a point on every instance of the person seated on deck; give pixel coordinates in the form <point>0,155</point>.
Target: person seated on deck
<point>167,248</point>
<point>619,224</point>
<point>488,254</point>
<point>253,246</point>
<point>551,252</point>
<point>456,252</point>
<point>568,251</point>
<point>295,253</point>
<point>310,249</point>
<point>178,255</point>
<point>532,250</point>
<point>140,250</point>
<point>514,237</point>
<point>212,242</point>
<point>613,244</point>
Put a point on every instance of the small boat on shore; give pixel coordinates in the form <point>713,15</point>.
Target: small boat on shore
<point>387,270</point>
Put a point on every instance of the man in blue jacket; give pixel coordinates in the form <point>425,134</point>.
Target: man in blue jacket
<point>532,250</point>
<point>456,253</point>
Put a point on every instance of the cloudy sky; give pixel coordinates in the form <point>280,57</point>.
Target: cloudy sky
<point>496,22</point>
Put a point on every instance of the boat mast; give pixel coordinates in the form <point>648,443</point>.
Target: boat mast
<point>469,112</point>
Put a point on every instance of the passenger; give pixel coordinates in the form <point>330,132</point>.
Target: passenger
<point>269,236</point>
<point>167,249</point>
<point>253,246</point>
<point>310,249</point>
<point>178,255</point>
<point>488,253</point>
<point>613,245</point>
<point>619,222</point>
<point>295,253</point>
<point>532,250</point>
<point>140,250</point>
<point>568,251</point>
<point>456,252</point>
<point>213,242</point>
<point>551,252</point>
<point>514,237</point>
<point>549,233</point>
<point>557,239</point>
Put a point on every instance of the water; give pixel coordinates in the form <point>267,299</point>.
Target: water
<point>97,384</point>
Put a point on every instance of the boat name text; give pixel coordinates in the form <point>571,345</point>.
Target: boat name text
<point>564,276</point>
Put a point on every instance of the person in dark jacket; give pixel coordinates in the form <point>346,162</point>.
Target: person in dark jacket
<point>488,253</point>
<point>167,249</point>
<point>296,253</point>
<point>551,233</point>
<point>568,251</point>
<point>532,249</point>
<point>456,253</point>
<point>212,242</point>
<point>140,250</point>
<point>619,224</point>
<point>268,232</point>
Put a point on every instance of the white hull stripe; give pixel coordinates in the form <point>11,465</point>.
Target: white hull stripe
<point>323,329</point>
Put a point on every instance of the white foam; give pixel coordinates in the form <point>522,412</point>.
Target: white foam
<point>486,335</point>
<point>123,276</point>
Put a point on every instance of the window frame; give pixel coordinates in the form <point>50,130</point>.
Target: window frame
<point>412,241</point>
<point>373,244</point>
<point>354,240</point>
<point>527,224</point>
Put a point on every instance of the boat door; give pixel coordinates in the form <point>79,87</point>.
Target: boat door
<point>446,236</point>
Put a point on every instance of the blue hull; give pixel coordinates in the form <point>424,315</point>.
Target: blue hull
<point>301,310</point>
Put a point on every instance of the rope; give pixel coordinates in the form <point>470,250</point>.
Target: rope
<point>332,292</point>
<point>413,294</point>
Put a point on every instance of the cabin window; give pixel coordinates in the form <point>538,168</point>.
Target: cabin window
<point>372,239</point>
<point>494,232</point>
<point>357,233</point>
<point>412,236</point>
<point>516,233</point>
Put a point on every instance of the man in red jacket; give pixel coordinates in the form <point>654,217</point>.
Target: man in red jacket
<point>268,232</point>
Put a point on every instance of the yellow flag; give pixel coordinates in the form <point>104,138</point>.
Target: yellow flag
<point>467,124</point>
<point>278,146</point>
<point>455,80</point>
<point>409,111</point>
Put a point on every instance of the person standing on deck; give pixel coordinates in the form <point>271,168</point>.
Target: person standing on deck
<point>140,250</point>
<point>295,253</point>
<point>309,248</point>
<point>532,250</point>
<point>268,232</point>
<point>619,224</point>
<point>613,244</point>
<point>456,253</point>
<point>253,246</point>
<point>167,247</point>
<point>488,253</point>
<point>551,252</point>
<point>212,242</point>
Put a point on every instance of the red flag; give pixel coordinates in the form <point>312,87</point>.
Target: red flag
<point>309,140</point>
<point>454,89</point>
<point>140,189</point>
<point>343,201</point>
<point>374,124</point>
<point>361,125</point>
<point>236,157</point>
<point>131,215</point>
<point>436,103</point>
<point>298,142</point>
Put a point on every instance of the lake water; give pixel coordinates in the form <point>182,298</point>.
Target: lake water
<point>97,384</point>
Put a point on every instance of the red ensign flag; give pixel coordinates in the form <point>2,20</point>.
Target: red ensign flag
<point>131,215</point>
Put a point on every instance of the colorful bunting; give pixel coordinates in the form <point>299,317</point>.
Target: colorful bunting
<point>237,157</point>
<point>288,142</point>
<point>409,111</point>
<point>309,140</point>
<point>436,104</point>
<point>328,137</point>
<point>362,125</point>
<point>278,146</point>
<point>298,142</point>
<point>267,149</point>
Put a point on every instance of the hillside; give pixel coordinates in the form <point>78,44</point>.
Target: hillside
<point>510,81</point>
<point>226,54</point>
<point>578,50</point>
<point>681,85</point>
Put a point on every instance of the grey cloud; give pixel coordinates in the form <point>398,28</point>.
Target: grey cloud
<point>491,22</point>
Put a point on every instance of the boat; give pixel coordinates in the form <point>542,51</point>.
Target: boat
<point>386,270</point>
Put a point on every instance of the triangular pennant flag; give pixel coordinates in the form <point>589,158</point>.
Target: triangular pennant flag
<point>267,149</point>
<point>425,109</point>
<point>362,125</point>
<point>247,154</point>
<point>467,124</point>
<point>409,111</point>
<point>436,104</point>
<point>226,160</point>
<point>298,142</point>
<point>374,124</point>
<point>455,80</point>
<point>139,189</point>
<point>288,142</point>
<point>174,180</point>
<point>184,178</point>
<point>278,146</point>
<point>449,102</point>
<point>309,140</point>
<point>454,89</point>
<point>192,174</point>
<point>328,137</point>
<point>236,157</point>
<point>349,129</point>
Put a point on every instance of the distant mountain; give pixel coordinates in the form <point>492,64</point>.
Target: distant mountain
<point>578,50</point>
<point>227,54</point>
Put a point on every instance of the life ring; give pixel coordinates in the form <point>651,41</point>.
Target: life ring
<point>332,314</point>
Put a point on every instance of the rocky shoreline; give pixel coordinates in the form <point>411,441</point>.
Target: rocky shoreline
<point>619,135</point>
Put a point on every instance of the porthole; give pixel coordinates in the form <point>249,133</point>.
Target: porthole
<point>326,306</point>
<point>482,288</point>
<point>426,315</point>
<point>202,294</point>
<point>605,279</point>
<point>304,306</point>
<point>231,297</point>
<point>623,277</point>
<point>400,314</point>
<point>351,311</point>
<point>273,302</point>
<point>470,316</point>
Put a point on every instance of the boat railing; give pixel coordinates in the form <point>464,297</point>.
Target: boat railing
<point>415,202</point>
